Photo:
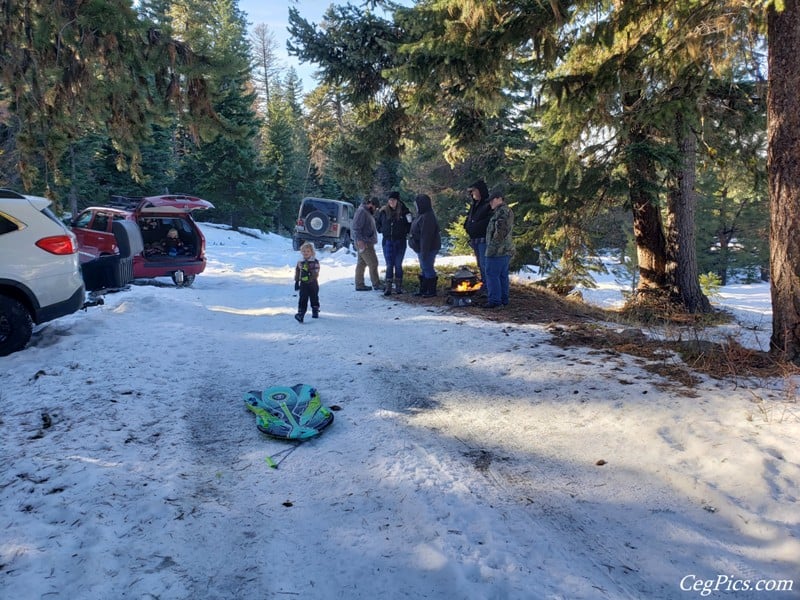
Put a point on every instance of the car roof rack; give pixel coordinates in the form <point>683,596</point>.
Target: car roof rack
<point>132,202</point>
<point>125,202</point>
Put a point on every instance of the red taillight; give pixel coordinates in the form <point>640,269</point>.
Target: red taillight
<point>300,222</point>
<point>58,244</point>
<point>334,227</point>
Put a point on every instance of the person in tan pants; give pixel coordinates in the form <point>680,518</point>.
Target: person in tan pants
<point>365,235</point>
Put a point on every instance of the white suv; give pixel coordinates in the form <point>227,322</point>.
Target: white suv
<point>40,275</point>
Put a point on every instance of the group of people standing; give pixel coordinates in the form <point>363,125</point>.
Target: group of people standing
<point>399,229</point>
<point>489,224</point>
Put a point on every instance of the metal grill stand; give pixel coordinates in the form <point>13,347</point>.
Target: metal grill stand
<point>464,286</point>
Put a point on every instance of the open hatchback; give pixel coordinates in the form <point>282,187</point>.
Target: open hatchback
<point>172,244</point>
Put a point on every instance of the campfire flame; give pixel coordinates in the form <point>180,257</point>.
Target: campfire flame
<point>466,286</point>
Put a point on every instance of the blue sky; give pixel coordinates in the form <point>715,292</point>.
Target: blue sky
<point>276,16</point>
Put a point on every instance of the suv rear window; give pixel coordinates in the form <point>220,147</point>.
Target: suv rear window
<point>7,225</point>
<point>327,207</point>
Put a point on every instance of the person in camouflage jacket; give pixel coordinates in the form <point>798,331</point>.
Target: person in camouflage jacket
<point>499,250</point>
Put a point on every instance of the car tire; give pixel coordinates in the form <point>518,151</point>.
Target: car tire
<point>342,241</point>
<point>296,243</point>
<point>186,282</point>
<point>317,222</point>
<point>16,325</point>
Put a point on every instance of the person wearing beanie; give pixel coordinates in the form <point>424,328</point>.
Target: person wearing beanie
<point>499,250</point>
<point>476,222</point>
<point>426,241</point>
<point>394,222</point>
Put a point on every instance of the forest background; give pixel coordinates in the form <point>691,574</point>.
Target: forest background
<point>649,129</point>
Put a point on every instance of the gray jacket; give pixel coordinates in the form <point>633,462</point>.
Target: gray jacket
<point>363,227</point>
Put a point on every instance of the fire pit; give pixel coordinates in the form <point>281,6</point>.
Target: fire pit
<point>464,286</point>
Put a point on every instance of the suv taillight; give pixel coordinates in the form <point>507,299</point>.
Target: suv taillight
<point>335,228</point>
<point>58,244</point>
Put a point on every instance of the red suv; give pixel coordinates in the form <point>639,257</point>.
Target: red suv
<point>174,246</point>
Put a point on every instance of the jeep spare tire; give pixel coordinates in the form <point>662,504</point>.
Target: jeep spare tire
<point>317,222</point>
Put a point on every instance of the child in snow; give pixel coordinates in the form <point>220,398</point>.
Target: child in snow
<point>306,281</point>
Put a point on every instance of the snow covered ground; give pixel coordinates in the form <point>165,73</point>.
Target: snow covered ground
<point>469,459</point>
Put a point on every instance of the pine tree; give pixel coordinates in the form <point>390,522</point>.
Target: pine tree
<point>733,211</point>
<point>783,114</point>
<point>621,84</point>
<point>226,168</point>
<point>286,150</point>
<point>353,49</point>
<point>266,68</point>
<point>75,69</point>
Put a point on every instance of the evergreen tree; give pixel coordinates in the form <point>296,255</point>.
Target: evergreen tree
<point>353,48</point>
<point>227,169</point>
<point>733,213</point>
<point>783,129</point>
<point>286,151</point>
<point>92,172</point>
<point>53,53</point>
<point>620,81</point>
<point>266,67</point>
<point>326,120</point>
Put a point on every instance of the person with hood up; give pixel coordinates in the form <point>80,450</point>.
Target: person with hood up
<point>365,235</point>
<point>393,222</point>
<point>499,250</point>
<point>476,222</point>
<point>426,241</point>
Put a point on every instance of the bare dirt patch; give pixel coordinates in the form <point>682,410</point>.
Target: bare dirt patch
<point>572,322</point>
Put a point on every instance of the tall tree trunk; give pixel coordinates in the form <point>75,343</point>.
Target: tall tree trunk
<point>73,192</point>
<point>783,168</point>
<point>681,247</point>
<point>648,231</point>
<point>724,259</point>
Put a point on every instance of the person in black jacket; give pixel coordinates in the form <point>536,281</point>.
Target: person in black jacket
<point>476,222</point>
<point>426,241</point>
<point>393,222</point>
